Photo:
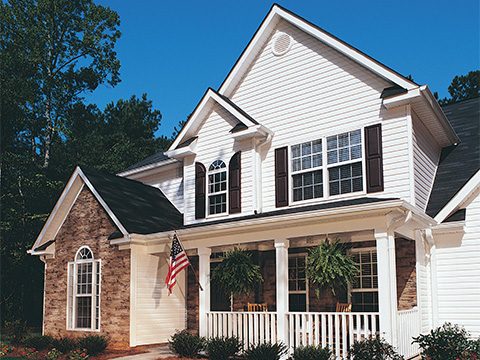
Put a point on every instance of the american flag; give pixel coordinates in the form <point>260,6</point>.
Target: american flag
<point>178,262</point>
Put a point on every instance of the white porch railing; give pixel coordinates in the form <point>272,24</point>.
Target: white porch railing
<point>408,327</point>
<point>336,330</point>
<point>250,327</point>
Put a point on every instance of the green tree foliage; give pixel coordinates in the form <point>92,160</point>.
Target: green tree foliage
<point>52,52</point>
<point>237,274</point>
<point>463,87</point>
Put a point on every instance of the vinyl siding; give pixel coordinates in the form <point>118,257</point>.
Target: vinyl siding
<point>426,154</point>
<point>156,315</point>
<point>314,91</point>
<point>458,273</point>
<point>216,142</point>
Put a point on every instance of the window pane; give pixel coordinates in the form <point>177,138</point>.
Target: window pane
<point>355,137</point>
<point>306,148</point>
<point>344,154</point>
<point>317,160</point>
<point>306,163</point>
<point>308,193</point>
<point>343,140</point>
<point>334,188</point>
<point>296,165</point>
<point>84,312</point>
<point>296,151</point>
<point>332,156</point>
<point>217,203</point>
<point>331,142</point>
<point>356,152</point>
<point>350,177</point>
<point>303,188</point>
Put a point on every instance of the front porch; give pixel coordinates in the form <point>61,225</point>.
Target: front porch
<point>384,298</point>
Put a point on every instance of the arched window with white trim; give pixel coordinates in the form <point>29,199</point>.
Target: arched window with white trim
<point>83,295</point>
<point>217,188</point>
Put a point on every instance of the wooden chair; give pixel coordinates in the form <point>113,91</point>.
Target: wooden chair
<point>343,307</point>
<point>257,307</point>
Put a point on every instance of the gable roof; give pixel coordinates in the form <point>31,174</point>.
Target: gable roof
<point>267,26</point>
<point>458,163</point>
<point>210,97</point>
<point>152,159</point>
<point>133,206</point>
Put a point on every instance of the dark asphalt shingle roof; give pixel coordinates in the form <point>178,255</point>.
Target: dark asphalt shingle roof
<point>294,210</point>
<point>457,163</point>
<point>140,208</point>
<point>152,159</point>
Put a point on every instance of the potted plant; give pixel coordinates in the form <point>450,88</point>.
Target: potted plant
<point>329,266</point>
<point>237,274</point>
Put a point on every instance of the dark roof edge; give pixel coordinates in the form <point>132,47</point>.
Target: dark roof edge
<point>44,246</point>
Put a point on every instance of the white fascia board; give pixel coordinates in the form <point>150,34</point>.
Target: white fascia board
<point>140,169</point>
<point>402,99</point>
<point>472,185</point>
<point>278,13</point>
<point>200,110</point>
<point>103,203</point>
<point>182,152</point>
<point>56,209</point>
<point>253,131</point>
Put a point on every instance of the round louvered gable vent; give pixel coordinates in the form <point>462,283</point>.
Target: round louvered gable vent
<point>281,44</point>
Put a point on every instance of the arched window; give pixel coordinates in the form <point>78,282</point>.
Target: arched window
<point>217,188</point>
<point>84,291</point>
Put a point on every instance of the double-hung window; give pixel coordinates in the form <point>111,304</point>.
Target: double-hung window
<point>297,283</point>
<point>83,293</point>
<point>307,174</point>
<point>344,158</point>
<point>327,167</point>
<point>364,289</point>
<point>217,188</point>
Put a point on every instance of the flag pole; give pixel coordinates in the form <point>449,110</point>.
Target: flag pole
<point>190,264</point>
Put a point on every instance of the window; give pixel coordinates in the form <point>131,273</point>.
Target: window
<point>307,184</point>
<point>217,188</point>
<point>338,158</point>
<point>297,283</point>
<point>83,295</point>
<point>364,289</point>
<point>345,148</point>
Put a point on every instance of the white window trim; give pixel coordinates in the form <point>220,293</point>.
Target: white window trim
<point>71,315</point>
<point>325,167</point>
<point>306,291</point>
<point>208,215</point>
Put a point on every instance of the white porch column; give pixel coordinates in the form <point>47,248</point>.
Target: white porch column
<point>387,285</point>
<point>204,296</point>
<point>281,261</point>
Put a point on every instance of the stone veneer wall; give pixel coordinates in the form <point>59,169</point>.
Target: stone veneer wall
<point>406,283</point>
<point>89,224</point>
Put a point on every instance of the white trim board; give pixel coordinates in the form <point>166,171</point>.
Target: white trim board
<point>460,196</point>
<point>63,206</point>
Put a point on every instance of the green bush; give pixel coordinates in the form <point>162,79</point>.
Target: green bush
<point>373,348</point>
<point>93,344</point>
<point>221,348</point>
<point>185,344</point>
<point>16,331</point>
<point>53,354</point>
<point>40,342</point>
<point>448,342</point>
<point>266,351</point>
<point>311,352</point>
<point>65,344</point>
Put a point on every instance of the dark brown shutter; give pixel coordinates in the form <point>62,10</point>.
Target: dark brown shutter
<point>281,177</point>
<point>200,189</point>
<point>373,154</point>
<point>234,184</point>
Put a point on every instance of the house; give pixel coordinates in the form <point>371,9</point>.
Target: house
<point>307,139</point>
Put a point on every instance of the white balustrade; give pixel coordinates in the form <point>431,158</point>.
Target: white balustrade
<point>408,327</point>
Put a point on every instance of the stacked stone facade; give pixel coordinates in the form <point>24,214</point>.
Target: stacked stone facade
<point>88,224</point>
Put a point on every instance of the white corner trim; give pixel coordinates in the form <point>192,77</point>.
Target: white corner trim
<point>210,95</point>
<point>278,13</point>
<point>460,196</point>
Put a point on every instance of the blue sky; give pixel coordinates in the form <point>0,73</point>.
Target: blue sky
<point>174,50</point>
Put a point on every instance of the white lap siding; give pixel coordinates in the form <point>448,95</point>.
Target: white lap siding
<point>313,91</point>
<point>426,154</point>
<point>155,315</point>
<point>458,273</point>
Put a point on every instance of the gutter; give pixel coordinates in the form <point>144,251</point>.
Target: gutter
<point>146,167</point>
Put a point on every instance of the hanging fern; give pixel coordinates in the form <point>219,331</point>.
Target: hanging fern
<point>237,274</point>
<point>330,267</point>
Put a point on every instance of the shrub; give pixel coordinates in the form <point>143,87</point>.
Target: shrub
<point>53,354</point>
<point>266,351</point>
<point>93,344</point>
<point>64,344</point>
<point>16,331</point>
<point>78,355</point>
<point>40,342</point>
<point>373,348</point>
<point>5,349</point>
<point>311,352</point>
<point>185,344</point>
<point>221,348</point>
<point>446,342</point>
